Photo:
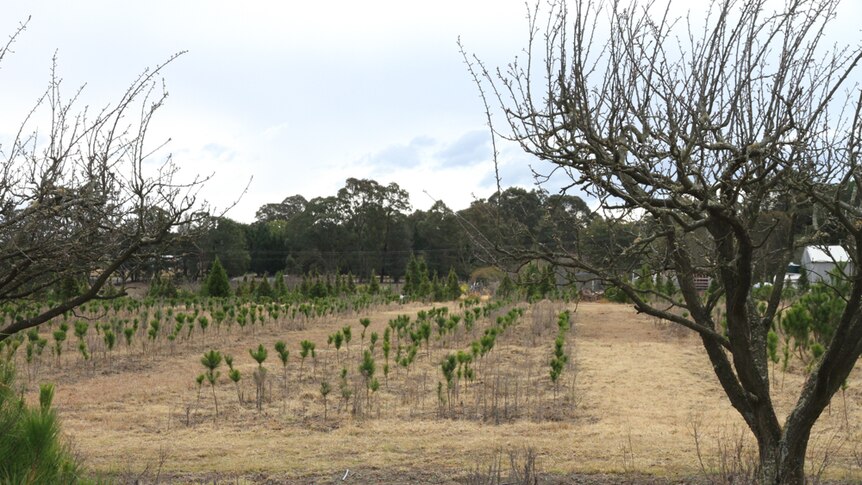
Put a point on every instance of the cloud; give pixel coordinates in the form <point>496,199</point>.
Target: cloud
<point>401,156</point>
<point>472,147</point>
<point>219,152</point>
<point>275,131</point>
<point>515,169</point>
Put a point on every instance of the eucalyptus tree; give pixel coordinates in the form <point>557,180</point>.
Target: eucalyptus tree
<point>691,134</point>
<point>375,219</point>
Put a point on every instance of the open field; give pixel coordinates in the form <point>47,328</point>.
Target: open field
<point>630,401</point>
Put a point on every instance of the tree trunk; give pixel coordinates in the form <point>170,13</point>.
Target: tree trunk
<point>783,463</point>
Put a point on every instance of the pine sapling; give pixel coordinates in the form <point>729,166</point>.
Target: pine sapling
<point>110,339</point>
<point>325,389</point>
<point>283,355</point>
<point>305,349</point>
<point>375,386</point>
<point>234,375</point>
<point>772,351</point>
<point>366,368</point>
<point>365,322</point>
<point>448,366</point>
<point>259,356</point>
<point>373,341</point>
<point>211,361</point>
<point>128,333</point>
<point>203,323</point>
<point>59,338</point>
<point>200,382</point>
<point>346,392</point>
<point>348,334</point>
<point>81,333</point>
<point>337,340</point>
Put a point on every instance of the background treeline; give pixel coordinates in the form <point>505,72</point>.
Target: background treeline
<point>368,227</point>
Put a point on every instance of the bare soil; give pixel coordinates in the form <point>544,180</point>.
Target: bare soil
<point>638,404</point>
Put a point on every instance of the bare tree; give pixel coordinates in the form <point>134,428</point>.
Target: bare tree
<point>710,140</point>
<point>82,196</point>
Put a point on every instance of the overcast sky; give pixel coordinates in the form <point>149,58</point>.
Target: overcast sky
<point>298,95</point>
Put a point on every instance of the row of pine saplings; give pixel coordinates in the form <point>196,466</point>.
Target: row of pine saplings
<point>401,343</point>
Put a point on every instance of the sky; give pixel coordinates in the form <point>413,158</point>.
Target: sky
<point>293,97</point>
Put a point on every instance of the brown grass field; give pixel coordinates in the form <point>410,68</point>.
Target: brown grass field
<point>633,397</point>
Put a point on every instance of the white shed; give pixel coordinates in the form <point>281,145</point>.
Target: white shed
<point>819,261</point>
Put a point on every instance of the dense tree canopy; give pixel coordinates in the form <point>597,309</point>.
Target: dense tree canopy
<point>367,226</point>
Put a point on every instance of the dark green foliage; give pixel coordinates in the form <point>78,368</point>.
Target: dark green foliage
<point>69,287</point>
<point>616,295</point>
<point>438,291</point>
<point>453,288</point>
<point>162,287</point>
<point>802,283</point>
<point>337,340</point>
<point>368,226</point>
<point>559,359</point>
<point>772,346</point>
<point>259,374</point>
<point>348,334</point>
<point>258,355</point>
<point>373,341</point>
<point>30,441</point>
<point>417,285</point>
<point>211,361</point>
<point>644,280</point>
<point>306,348</point>
<point>448,366</point>
<point>507,288</point>
<point>264,289</point>
<point>325,389</point>
<point>283,353</point>
<point>217,283</point>
<point>813,318</point>
<point>373,284</point>
<point>279,288</point>
<point>538,282</point>
<point>234,375</point>
<point>367,368</point>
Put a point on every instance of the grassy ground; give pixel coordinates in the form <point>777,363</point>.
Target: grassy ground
<point>636,398</point>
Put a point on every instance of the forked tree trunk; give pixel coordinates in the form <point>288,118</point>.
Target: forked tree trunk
<point>782,462</point>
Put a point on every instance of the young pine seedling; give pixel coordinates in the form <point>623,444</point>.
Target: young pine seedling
<point>337,339</point>
<point>306,348</point>
<point>374,338</point>
<point>128,333</point>
<point>366,368</point>
<point>200,382</point>
<point>365,322</point>
<point>211,361</point>
<point>259,375</point>
<point>348,334</point>
<point>234,376</point>
<point>325,389</point>
<point>283,355</point>
<point>59,338</point>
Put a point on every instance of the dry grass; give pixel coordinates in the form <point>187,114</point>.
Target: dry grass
<point>633,397</point>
